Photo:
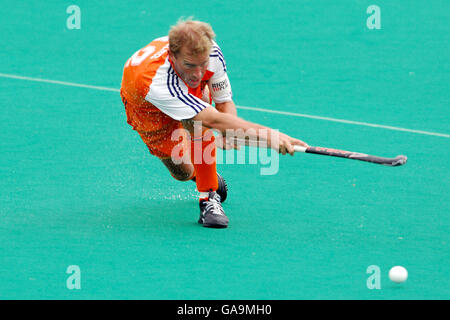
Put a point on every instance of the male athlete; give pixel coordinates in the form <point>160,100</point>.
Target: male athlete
<point>167,88</point>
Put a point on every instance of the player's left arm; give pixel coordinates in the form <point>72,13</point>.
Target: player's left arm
<point>227,107</point>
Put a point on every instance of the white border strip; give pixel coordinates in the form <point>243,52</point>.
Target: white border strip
<point>347,121</point>
<point>72,84</point>
<point>64,83</point>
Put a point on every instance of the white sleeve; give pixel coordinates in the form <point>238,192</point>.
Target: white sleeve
<point>171,96</point>
<point>219,84</point>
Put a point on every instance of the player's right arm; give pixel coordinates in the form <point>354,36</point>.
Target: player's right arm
<point>222,122</point>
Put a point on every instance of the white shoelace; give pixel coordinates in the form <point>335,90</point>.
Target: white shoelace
<point>217,208</point>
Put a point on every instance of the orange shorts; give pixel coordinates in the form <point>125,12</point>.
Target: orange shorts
<point>160,133</point>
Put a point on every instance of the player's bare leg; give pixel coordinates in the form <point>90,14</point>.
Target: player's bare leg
<point>185,170</point>
<point>181,172</point>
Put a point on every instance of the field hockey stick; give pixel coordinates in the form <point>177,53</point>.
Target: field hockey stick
<point>393,162</point>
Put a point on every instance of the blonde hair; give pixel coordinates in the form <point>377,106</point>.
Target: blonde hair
<point>196,36</point>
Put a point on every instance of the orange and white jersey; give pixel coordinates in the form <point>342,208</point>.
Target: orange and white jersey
<point>149,79</point>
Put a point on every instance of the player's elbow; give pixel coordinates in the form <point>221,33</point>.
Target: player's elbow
<point>209,118</point>
<point>213,122</point>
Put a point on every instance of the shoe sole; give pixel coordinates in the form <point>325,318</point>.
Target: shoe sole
<point>213,225</point>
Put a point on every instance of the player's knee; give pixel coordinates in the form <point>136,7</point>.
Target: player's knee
<point>182,176</point>
<point>180,172</point>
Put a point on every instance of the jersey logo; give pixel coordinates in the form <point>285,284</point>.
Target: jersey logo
<point>218,86</point>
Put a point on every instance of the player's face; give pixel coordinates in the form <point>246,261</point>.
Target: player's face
<point>191,68</point>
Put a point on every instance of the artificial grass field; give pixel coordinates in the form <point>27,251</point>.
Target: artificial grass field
<point>78,186</point>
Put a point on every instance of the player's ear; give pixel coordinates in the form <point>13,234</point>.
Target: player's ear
<point>171,54</point>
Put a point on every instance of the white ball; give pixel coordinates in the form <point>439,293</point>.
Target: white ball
<point>398,274</point>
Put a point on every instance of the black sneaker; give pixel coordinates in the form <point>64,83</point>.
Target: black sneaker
<point>211,212</point>
<point>222,189</point>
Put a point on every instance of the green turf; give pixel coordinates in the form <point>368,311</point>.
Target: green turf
<point>78,186</point>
